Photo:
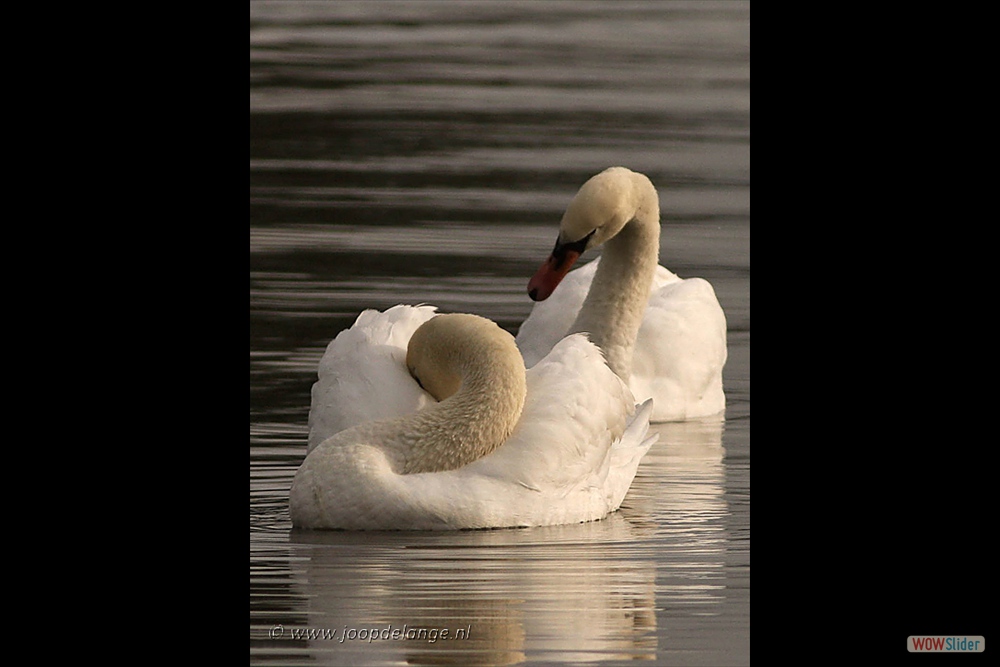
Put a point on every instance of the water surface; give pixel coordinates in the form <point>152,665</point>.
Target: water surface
<point>423,152</point>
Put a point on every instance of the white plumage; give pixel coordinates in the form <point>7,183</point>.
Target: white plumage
<point>679,352</point>
<point>362,375</point>
<point>571,456</point>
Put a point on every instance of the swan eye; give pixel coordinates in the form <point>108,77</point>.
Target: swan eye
<point>579,247</point>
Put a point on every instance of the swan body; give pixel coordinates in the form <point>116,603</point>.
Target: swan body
<point>491,446</point>
<point>665,336</point>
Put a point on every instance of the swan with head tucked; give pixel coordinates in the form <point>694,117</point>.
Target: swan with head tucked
<point>489,444</point>
<point>665,336</point>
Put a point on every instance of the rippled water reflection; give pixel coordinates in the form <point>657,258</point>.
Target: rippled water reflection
<point>659,579</point>
<point>411,152</point>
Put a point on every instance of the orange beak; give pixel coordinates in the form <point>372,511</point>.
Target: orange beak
<point>547,278</point>
<point>544,282</point>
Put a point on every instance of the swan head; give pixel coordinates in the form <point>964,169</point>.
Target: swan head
<point>599,211</point>
<point>446,348</point>
<point>428,361</point>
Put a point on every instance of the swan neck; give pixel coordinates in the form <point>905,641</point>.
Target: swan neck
<point>468,425</point>
<point>616,303</point>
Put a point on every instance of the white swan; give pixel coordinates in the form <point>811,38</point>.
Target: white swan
<point>663,335</point>
<point>504,447</point>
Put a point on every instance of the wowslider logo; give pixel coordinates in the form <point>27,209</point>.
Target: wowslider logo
<point>922,644</point>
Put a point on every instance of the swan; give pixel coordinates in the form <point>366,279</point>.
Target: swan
<point>665,336</point>
<point>491,446</point>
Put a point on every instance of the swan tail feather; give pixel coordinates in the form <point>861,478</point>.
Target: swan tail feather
<point>627,453</point>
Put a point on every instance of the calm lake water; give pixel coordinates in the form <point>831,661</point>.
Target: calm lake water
<point>423,152</point>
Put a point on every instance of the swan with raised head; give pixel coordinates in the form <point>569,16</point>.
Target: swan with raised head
<point>493,445</point>
<point>665,336</point>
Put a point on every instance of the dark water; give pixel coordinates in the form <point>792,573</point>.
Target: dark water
<point>409,152</point>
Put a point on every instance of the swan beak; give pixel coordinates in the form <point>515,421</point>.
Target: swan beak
<point>547,278</point>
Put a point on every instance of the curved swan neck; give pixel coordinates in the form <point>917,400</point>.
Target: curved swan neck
<point>613,310</point>
<point>483,411</point>
<point>466,426</point>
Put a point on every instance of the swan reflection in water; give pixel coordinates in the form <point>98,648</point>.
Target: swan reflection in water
<point>573,593</point>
